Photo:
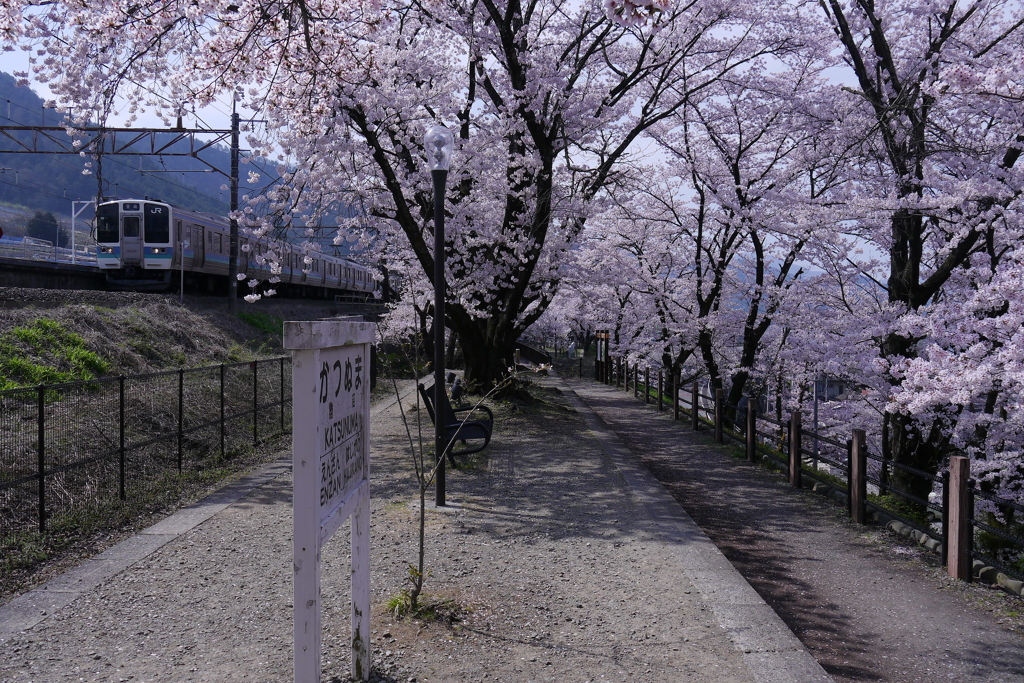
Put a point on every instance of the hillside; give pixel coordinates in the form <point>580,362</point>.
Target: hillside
<point>144,333</point>
<point>49,336</point>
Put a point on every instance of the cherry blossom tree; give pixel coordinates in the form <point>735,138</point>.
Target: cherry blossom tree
<point>939,193</point>
<point>698,264</point>
<point>549,100</point>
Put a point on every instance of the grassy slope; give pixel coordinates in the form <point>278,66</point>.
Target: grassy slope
<point>78,341</point>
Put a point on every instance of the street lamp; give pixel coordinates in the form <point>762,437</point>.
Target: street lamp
<point>439,142</point>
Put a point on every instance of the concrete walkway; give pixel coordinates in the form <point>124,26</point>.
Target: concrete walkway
<point>770,649</point>
<point>555,519</point>
<point>868,609</point>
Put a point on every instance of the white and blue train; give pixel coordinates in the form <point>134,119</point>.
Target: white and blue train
<point>145,244</point>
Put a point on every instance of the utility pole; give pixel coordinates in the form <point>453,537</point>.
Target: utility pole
<point>233,252</point>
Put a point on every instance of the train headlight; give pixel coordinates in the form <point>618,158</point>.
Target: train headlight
<point>106,250</point>
<point>159,250</point>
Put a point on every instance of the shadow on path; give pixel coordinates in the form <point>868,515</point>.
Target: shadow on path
<point>864,615</point>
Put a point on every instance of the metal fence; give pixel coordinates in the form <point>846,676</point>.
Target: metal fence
<point>38,250</point>
<point>66,447</point>
<point>991,525</point>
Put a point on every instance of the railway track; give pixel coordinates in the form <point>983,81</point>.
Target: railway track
<point>284,308</point>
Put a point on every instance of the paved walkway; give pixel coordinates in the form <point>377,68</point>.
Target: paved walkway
<point>579,565</point>
<point>865,613</point>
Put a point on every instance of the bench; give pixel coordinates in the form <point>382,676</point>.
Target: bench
<point>460,428</point>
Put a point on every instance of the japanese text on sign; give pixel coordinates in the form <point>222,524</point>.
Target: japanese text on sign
<point>341,425</point>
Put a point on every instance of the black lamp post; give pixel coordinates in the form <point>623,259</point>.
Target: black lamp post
<point>439,143</point>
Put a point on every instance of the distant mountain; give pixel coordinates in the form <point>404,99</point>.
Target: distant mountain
<point>49,182</point>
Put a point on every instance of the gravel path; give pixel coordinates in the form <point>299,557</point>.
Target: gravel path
<point>865,612</point>
<point>564,574</point>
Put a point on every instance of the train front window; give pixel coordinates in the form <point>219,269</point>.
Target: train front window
<point>157,223</point>
<point>131,226</point>
<point>106,224</point>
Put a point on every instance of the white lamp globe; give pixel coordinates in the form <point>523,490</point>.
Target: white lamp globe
<point>439,143</point>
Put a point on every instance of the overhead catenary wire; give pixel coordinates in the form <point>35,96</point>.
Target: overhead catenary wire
<point>111,159</point>
<point>262,169</point>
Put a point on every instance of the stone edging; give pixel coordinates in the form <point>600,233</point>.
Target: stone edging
<point>981,571</point>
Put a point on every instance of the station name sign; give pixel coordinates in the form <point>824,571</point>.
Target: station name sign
<point>330,472</point>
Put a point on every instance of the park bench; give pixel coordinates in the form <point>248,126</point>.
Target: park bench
<point>460,427</point>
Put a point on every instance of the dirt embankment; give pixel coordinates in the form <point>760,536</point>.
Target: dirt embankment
<point>137,333</point>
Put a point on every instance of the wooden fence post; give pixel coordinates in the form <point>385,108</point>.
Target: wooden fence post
<point>675,395</point>
<point>694,402</point>
<point>181,417</point>
<point>122,465</point>
<point>618,379</point>
<point>858,477</point>
<point>223,422</point>
<point>719,414</point>
<point>752,429</point>
<point>958,554</point>
<point>255,404</point>
<point>794,449</point>
<point>661,389</point>
<point>945,518</point>
<point>647,386</point>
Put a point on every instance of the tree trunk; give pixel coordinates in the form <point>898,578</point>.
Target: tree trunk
<point>486,366</point>
<point>489,351</point>
<point>449,350</point>
<point>912,447</point>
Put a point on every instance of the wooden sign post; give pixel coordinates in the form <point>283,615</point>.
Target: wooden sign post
<point>331,468</point>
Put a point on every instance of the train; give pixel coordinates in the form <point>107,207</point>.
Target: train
<point>149,245</point>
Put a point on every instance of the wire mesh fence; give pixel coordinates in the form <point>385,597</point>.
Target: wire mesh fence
<point>66,449</point>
